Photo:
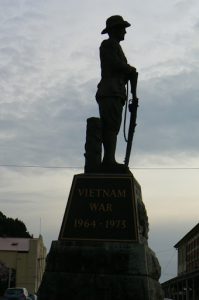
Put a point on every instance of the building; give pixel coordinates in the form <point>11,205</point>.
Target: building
<point>186,285</point>
<point>26,257</point>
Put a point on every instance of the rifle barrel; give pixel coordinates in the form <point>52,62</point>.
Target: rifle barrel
<point>133,110</point>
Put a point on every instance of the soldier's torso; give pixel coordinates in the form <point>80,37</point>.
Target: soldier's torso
<point>114,69</point>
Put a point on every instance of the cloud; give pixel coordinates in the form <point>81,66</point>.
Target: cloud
<point>49,81</point>
<point>44,131</point>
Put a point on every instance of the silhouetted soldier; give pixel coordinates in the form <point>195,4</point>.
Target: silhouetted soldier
<point>111,92</point>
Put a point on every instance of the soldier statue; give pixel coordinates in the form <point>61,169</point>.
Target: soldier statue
<point>111,91</point>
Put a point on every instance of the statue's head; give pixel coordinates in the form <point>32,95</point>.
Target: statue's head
<point>115,22</point>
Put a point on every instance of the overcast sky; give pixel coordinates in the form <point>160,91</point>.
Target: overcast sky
<point>49,70</point>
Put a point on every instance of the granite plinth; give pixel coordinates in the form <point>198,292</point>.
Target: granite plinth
<point>102,252</point>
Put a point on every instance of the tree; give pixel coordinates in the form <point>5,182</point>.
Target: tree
<point>12,227</point>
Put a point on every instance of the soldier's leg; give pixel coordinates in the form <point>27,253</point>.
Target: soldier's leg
<point>111,117</point>
<point>109,143</point>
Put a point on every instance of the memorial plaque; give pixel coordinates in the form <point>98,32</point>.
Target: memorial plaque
<point>101,208</point>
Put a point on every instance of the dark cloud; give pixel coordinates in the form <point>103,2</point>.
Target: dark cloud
<point>168,114</point>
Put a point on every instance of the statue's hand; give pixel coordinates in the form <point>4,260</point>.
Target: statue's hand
<point>133,70</point>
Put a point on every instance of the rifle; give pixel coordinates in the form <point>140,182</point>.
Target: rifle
<point>133,105</point>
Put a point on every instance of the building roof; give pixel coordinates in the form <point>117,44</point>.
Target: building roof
<point>181,278</point>
<point>14,244</point>
<point>188,236</point>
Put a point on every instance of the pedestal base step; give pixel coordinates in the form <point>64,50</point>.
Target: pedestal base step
<point>76,286</point>
<point>104,271</point>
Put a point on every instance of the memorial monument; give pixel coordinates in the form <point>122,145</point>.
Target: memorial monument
<point>102,251</point>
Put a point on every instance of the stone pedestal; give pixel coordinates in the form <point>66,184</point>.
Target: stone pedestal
<point>102,251</point>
